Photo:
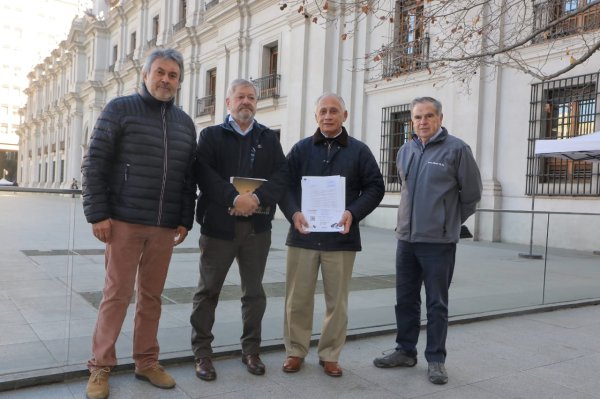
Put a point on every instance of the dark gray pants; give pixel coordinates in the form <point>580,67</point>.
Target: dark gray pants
<point>432,265</point>
<point>250,250</point>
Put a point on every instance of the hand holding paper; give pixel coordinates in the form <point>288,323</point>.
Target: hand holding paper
<point>323,201</point>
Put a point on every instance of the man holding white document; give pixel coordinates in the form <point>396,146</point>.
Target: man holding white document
<point>335,183</point>
<point>242,174</point>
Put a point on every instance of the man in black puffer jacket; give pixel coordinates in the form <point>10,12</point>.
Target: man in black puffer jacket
<point>138,194</point>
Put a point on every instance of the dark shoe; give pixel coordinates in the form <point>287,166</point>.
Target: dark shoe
<point>253,364</point>
<point>205,370</point>
<point>292,364</point>
<point>398,358</point>
<point>332,369</point>
<point>437,373</point>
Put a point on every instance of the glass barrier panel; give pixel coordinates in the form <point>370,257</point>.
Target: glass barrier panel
<point>572,261</point>
<point>36,306</point>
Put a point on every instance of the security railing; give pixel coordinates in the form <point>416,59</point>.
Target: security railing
<point>268,86</point>
<point>205,105</point>
<point>52,275</point>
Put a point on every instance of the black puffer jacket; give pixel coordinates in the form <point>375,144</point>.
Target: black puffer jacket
<point>347,157</point>
<point>223,153</point>
<point>139,165</point>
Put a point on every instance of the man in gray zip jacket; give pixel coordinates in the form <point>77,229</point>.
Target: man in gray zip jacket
<point>440,187</point>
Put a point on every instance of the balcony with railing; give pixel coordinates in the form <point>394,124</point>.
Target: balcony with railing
<point>268,86</point>
<point>578,19</point>
<point>205,105</point>
<point>210,4</point>
<point>152,42</point>
<point>179,26</point>
<point>405,58</point>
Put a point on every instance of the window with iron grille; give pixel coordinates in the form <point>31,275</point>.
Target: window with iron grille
<point>562,109</point>
<point>580,16</point>
<point>410,46</point>
<point>396,127</point>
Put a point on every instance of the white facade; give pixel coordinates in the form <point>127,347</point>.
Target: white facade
<point>29,29</point>
<point>254,39</point>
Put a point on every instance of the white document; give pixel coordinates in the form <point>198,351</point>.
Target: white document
<point>323,202</point>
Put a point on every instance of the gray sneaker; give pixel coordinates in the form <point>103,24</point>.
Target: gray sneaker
<point>437,373</point>
<point>398,358</point>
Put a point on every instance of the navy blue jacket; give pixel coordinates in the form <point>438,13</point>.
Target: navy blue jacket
<point>139,165</point>
<point>347,157</point>
<point>222,153</point>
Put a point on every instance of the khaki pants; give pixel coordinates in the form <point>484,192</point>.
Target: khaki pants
<point>301,278</point>
<point>139,250</point>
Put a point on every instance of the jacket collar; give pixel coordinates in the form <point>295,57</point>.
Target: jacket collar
<point>440,137</point>
<point>341,139</point>
<point>149,99</point>
<point>227,126</point>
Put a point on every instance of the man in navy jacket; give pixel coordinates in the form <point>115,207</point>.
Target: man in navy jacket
<point>235,225</point>
<point>329,152</point>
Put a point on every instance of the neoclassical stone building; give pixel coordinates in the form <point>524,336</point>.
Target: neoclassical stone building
<point>293,60</point>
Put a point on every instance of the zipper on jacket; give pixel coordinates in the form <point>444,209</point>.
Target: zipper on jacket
<point>127,170</point>
<point>163,113</point>
<point>412,202</point>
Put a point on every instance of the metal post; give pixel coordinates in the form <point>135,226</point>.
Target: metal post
<point>531,255</point>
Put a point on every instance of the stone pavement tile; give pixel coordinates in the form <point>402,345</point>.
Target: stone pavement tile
<point>58,329</point>
<point>16,333</point>
<point>9,312</point>
<point>54,308</point>
<point>466,392</point>
<point>526,385</point>
<point>54,391</point>
<point>34,287</point>
<point>232,379</point>
<point>21,357</point>
<point>579,374</point>
<point>574,318</point>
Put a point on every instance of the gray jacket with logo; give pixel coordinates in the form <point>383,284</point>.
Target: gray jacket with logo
<point>440,188</point>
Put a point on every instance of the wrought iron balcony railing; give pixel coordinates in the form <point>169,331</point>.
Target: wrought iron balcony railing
<point>268,86</point>
<point>405,58</point>
<point>179,25</point>
<point>205,105</point>
<point>578,22</point>
<point>210,4</point>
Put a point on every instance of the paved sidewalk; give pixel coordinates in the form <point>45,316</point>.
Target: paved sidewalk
<point>545,355</point>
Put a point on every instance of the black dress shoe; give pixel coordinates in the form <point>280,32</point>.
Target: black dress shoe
<point>205,370</point>
<point>253,364</point>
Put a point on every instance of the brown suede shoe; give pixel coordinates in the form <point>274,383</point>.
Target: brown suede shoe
<point>97,386</point>
<point>157,376</point>
<point>332,369</point>
<point>205,370</point>
<point>292,364</point>
<point>253,364</point>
